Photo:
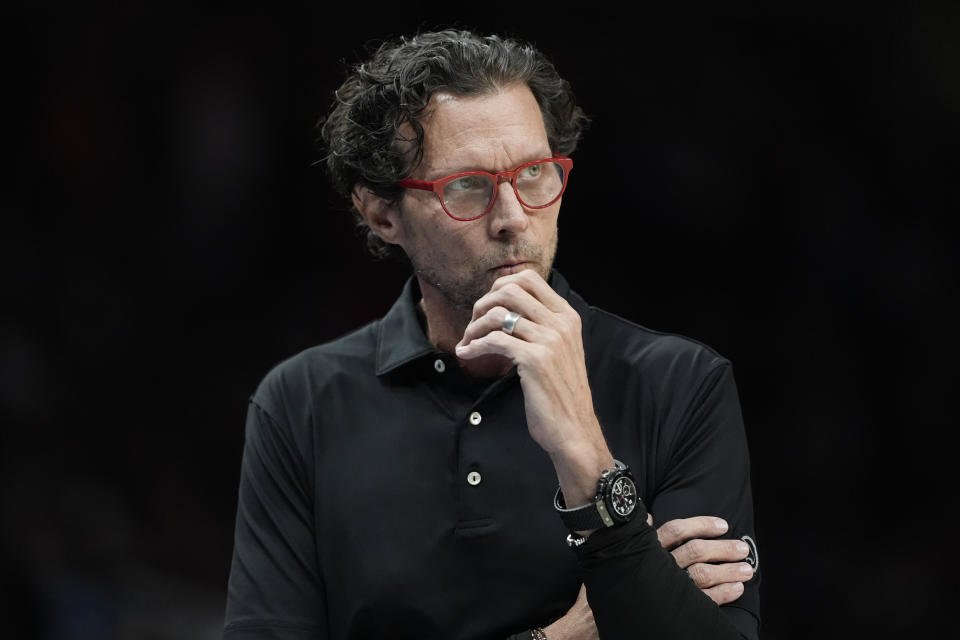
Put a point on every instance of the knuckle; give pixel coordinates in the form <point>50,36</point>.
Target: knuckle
<point>539,353</point>
<point>513,288</point>
<point>672,530</point>
<point>696,548</point>
<point>497,337</point>
<point>551,338</point>
<point>477,306</point>
<point>699,574</point>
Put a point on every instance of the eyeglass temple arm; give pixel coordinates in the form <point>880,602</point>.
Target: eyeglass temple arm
<point>410,183</point>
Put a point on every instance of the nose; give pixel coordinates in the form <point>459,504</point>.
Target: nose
<point>508,217</point>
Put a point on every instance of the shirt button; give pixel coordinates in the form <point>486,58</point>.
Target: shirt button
<point>474,478</point>
<point>439,365</point>
<point>475,419</point>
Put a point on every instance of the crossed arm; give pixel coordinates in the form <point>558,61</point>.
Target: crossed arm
<point>689,542</point>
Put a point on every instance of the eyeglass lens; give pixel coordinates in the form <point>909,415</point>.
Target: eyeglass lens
<point>537,185</point>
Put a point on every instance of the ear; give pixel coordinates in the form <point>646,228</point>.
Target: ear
<point>382,217</point>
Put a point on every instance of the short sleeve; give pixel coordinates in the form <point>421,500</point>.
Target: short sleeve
<point>275,588</point>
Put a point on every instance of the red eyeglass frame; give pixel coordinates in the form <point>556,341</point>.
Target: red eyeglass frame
<point>502,176</point>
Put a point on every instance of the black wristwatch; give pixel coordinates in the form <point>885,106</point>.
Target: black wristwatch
<point>615,503</point>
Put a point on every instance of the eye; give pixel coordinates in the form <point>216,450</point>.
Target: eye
<point>466,183</point>
<point>532,172</point>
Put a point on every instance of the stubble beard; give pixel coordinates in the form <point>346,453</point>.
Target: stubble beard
<point>462,291</point>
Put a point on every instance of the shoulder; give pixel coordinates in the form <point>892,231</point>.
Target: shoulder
<point>611,339</point>
<point>672,385</point>
<point>295,381</point>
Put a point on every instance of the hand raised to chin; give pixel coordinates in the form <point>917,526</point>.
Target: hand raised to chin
<point>546,345</point>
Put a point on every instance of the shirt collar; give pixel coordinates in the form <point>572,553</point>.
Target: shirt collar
<point>401,339</point>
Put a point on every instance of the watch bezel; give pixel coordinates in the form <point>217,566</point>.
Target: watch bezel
<point>621,474</point>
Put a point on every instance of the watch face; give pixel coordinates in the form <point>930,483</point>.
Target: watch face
<point>623,496</point>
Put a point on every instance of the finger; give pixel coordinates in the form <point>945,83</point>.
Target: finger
<point>678,531</point>
<point>698,550</point>
<point>724,593</point>
<point>582,596</point>
<point>515,298</point>
<point>532,282</point>
<point>709,575</point>
<point>649,518</point>
<point>525,332</point>
<point>492,320</point>
<point>500,343</point>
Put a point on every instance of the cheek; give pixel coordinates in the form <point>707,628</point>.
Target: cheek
<point>444,243</point>
<point>547,222</point>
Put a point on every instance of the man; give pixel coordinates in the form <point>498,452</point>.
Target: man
<point>402,481</point>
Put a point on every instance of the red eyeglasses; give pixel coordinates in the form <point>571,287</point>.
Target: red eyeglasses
<point>470,195</point>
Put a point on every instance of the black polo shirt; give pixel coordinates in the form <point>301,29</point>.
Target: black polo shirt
<point>385,493</point>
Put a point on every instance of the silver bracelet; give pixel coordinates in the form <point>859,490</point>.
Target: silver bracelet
<point>574,540</point>
<point>537,634</point>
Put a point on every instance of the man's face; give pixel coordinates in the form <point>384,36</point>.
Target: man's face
<point>461,260</point>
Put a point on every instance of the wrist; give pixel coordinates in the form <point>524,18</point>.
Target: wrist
<point>578,469</point>
<point>614,501</point>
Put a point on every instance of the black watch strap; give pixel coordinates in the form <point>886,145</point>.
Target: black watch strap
<point>583,518</point>
<point>596,514</point>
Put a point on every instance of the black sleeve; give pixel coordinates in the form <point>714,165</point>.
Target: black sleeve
<point>708,473</point>
<point>275,589</point>
<point>636,589</point>
<point>634,586</point>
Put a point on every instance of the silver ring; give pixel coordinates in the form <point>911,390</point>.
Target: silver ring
<point>510,322</point>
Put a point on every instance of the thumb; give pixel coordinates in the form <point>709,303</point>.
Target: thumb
<point>582,596</point>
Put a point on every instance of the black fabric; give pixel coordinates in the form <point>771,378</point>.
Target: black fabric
<point>356,518</point>
<point>634,584</point>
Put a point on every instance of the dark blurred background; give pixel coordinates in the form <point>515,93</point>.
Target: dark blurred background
<point>776,184</point>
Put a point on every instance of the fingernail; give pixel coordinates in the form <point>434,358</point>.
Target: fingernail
<point>746,570</point>
<point>737,586</point>
<point>721,524</point>
<point>742,547</point>
<point>460,349</point>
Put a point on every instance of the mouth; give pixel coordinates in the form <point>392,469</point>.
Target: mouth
<point>510,267</point>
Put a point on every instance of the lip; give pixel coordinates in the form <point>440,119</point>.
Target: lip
<point>511,267</point>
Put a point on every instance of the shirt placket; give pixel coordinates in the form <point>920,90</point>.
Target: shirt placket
<point>486,419</point>
<point>484,426</point>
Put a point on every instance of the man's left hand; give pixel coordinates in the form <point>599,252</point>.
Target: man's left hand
<point>721,584</point>
<point>716,566</point>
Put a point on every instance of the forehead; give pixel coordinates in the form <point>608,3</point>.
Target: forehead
<point>494,132</point>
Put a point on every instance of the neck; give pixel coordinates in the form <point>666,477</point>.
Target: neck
<point>445,327</point>
<point>445,323</point>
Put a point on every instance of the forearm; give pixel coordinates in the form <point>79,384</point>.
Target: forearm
<point>634,585</point>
